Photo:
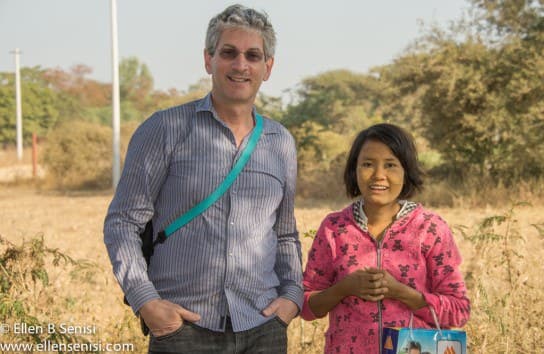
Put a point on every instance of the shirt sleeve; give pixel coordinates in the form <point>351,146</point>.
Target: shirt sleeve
<point>447,293</point>
<point>132,207</point>
<point>289,255</point>
<point>318,275</point>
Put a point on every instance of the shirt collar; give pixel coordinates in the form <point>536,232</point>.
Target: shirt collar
<point>205,105</point>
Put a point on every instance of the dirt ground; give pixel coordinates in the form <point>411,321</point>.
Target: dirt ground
<point>73,224</point>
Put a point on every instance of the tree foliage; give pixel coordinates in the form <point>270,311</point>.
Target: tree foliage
<point>135,88</point>
<point>40,107</point>
<point>329,110</point>
<point>479,101</point>
<point>510,18</point>
<point>472,95</point>
<point>339,100</point>
<point>80,156</point>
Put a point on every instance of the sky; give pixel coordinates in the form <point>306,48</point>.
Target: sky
<point>313,36</point>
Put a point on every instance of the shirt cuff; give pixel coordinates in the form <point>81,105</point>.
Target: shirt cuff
<point>138,296</point>
<point>293,293</point>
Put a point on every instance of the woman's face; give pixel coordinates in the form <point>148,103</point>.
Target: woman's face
<point>380,175</point>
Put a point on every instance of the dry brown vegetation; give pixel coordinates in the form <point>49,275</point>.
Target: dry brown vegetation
<point>502,265</point>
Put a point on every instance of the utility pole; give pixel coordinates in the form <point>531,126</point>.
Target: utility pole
<point>19,111</point>
<point>116,169</point>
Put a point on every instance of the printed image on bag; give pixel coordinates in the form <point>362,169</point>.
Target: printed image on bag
<point>423,341</point>
<point>420,341</point>
<point>449,347</point>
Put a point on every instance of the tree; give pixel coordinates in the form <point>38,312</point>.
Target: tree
<point>329,110</point>
<point>39,105</point>
<point>78,96</point>
<point>501,19</point>
<point>135,83</point>
<point>339,100</point>
<point>81,156</point>
<point>479,99</point>
<point>270,106</point>
<point>74,84</point>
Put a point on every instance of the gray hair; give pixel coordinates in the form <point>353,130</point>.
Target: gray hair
<point>239,16</point>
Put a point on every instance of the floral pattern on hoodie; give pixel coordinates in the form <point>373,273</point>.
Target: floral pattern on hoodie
<point>418,249</point>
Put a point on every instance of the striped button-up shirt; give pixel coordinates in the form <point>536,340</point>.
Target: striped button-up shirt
<point>234,258</point>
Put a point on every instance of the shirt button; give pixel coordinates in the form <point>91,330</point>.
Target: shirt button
<point>230,254</point>
<point>232,222</point>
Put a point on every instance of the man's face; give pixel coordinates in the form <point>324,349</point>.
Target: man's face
<point>238,66</point>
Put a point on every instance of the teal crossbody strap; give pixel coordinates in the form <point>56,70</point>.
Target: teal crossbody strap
<point>223,187</point>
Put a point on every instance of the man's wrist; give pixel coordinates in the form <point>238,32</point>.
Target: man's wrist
<point>148,306</point>
<point>137,297</point>
<point>294,294</point>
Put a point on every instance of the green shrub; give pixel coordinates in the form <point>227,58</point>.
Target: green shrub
<point>79,155</point>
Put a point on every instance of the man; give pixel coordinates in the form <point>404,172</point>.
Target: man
<point>229,281</point>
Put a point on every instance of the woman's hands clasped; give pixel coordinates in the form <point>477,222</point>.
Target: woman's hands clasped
<point>365,284</point>
<point>373,284</point>
<point>370,284</point>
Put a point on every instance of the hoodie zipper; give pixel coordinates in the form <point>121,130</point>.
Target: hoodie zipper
<point>379,242</point>
<point>378,265</point>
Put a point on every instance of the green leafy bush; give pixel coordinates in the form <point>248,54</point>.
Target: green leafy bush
<point>79,155</point>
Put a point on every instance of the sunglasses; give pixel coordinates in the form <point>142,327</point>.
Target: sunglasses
<point>251,55</point>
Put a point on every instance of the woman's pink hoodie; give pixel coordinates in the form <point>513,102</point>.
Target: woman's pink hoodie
<point>418,250</point>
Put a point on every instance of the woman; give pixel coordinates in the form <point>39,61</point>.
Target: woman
<point>383,257</point>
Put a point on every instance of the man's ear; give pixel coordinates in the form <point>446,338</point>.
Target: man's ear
<point>207,61</point>
<point>269,63</point>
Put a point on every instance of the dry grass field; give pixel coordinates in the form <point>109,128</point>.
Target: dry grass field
<point>502,264</point>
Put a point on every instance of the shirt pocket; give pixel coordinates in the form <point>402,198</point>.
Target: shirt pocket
<point>268,174</point>
<point>195,178</point>
<point>197,166</point>
<point>260,181</point>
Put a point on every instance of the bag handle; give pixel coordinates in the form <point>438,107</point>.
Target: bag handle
<point>435,318</point>
<point>220,190</point>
